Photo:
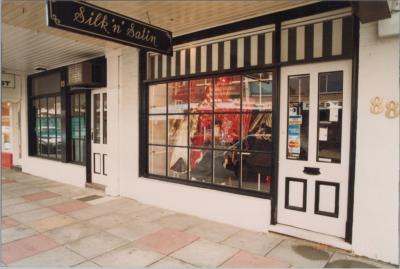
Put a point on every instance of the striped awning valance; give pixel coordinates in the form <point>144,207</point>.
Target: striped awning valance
<point>322,40</point>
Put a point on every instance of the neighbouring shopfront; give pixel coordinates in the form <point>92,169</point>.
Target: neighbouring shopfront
<point>266,123</point>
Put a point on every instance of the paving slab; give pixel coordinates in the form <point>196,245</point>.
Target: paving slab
<point>71,232</point>
<point>169,262</point>
<point>301,254</point>
<point>40,195</point>
<point>12,201</point>
<point>8,222</point>
<point>205,253</point>
<point>16,233</point>
<point>52,201</point>
<point>166,240</point>
<point>69,206</point>
<point>341,260</point>
<point>60,256</point>
<point>96,244</point>
<point>18,208</point>
<point>246,259</point>
<point>178,221</point>
<point>27,247</point>
<point>151,214</point>
<point>89,212</point>
<point>87,264</point>
<point>134,229</point>
<point>256,243</point>
<point>128,256</point>
<point>108,221</point>
<point>213,231</point>
<point>52,223</point>
<point>37,214</point>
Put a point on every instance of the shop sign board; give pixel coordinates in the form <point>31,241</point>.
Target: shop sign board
<point>7,80</point>
<point>88,19</point>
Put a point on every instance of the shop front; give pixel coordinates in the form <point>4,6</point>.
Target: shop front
<point>264,123</point>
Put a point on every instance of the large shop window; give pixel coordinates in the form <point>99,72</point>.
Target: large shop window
<point>47,116</point>
<point>213,130</point>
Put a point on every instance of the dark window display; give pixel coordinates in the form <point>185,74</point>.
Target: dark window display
<point>330,107</point>
<point>47,129</point>
<point>78,127</point>
<point>219,130</point>
<point>298,117</point>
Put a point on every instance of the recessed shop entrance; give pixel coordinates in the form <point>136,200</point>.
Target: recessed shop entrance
<point>99,136</point>
<point>314,147</point>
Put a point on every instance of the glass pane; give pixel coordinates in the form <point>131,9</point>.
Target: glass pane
<point>331,82</point>
<point>52,127</point>
<point>178,97</point>
<point>37,125</point>
<point>82,127</point>
<point>257,92</point>
<point>177,130</point>
<point>157,98</point>
<point>75,127</point>
<point>158,129</point>
<point>6,126</point>
<point>157,160</point>
<point>227,94</point>
<point>201,130</point>
<point>201,95</point>
<point>44,128</point>
<point>257,131</point>
<point>96,120</point>
<point>201,165</point>
<point>256,171</point>
<point>104,118</point>
<point>298,116</point>
<point>58,127</point>
<point>178,162</point>
<point>226,168</point>
<point>226,130</point>
<point>330,109</point>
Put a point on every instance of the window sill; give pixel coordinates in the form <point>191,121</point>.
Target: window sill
<point>186,182</point>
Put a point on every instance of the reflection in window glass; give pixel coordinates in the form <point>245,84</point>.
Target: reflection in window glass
<point>201,165</point>
<point>201,130</point>
<point>52,144</point>
<point>104,118</point>
<point>226,168</point>
<point>201,96</point>
<point>78,127</point>
<point>256,171</point>
<point>58,127</point>
<point>158,99</point>
<point>298,117</point>
<point>177,130</point>
<point>157,160</point>
<point>330,109</point>
<point>227,94</point>
<point>158,129</point>
<point>44,128</point>
<point>178,162</point>
<point>178,97</point>
<point>96,121</point>
<point>257,92</point>
<point>227,130</point>
<point>257,131</point>
<point>36,107</point>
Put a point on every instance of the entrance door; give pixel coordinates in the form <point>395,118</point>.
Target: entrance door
<point>314,146</point>
<point>99,136</point>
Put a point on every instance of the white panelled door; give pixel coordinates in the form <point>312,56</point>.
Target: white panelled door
<point>314,146</point>
<point>99,136</point>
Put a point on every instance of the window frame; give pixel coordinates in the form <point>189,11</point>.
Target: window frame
<point>144,117</point>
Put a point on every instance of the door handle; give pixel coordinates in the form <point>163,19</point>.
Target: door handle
<point>311,171</point>
<point>91,135</point>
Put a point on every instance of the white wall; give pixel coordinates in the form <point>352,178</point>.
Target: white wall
<point>55,170</point>
<point>376,199</point>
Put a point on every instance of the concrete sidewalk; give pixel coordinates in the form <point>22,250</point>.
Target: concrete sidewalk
<point>46,223</point>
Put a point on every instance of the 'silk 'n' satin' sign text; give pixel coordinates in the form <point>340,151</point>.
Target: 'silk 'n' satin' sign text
<point>85,18</point>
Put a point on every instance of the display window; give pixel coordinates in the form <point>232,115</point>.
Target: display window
<point>6,129</point>
<point>215,130</point>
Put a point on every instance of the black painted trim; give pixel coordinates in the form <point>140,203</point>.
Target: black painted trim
<point>88,99</point>
<point>104,164</point>
<point>303,208</point>
<point>336,185</point>
<point>327,38</point>
<point>353,131</point>
<point>292,43</point>
<point>94,163</point>
<point>198,59</point>
<point>309,42</point>
<point>284,15</point>
<point>142,109</point>
<point>233,54</point>
<point>221,56</point>
<point>261,49</point>
<point>209,58</point>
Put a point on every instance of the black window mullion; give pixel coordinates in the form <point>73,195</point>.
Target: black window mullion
<point>212,130</point>
<point>39,132</point>
<point>166,132</point>
<point>48,126</point>
<point>79,128</point>
<point>240,133</point>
